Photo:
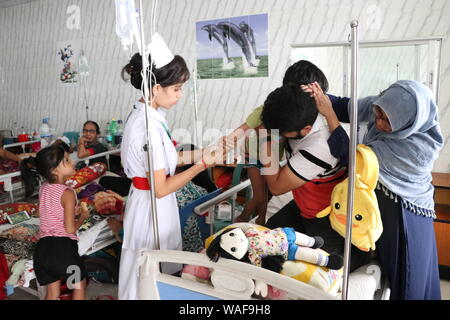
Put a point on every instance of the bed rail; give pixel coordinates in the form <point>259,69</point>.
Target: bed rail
<point>235,279</point>
<point>10,187</point>
<point>105,154</point>
<point>20,144</point>
<point>209,205</point>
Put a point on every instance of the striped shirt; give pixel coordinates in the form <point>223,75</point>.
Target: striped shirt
<point>51,212</point>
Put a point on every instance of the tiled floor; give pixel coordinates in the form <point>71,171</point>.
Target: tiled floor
<point>94,290</point>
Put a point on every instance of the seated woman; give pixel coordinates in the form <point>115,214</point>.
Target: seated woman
<point>88,145</point>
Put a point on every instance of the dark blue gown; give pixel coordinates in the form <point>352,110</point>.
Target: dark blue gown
<point>407,247</point>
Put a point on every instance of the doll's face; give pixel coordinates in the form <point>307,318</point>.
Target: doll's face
<point>235,243</point>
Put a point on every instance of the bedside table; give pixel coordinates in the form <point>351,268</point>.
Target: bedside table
<point>441,182</point>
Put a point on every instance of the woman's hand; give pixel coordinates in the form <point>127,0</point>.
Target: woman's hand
<point>323,102</point>
<point>26,155</point>
<point>82,141</point>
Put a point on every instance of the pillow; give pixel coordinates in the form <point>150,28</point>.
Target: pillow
<point>86,175</point>
<point>10,208</point>
<point>196,273</point>
<point>322,278</point>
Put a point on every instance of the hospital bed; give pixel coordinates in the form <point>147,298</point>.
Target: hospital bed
<point>235,280</point>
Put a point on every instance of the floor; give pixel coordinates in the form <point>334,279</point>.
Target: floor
<point>97,291</point>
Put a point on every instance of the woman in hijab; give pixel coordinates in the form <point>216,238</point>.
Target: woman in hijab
<point>403,131</point>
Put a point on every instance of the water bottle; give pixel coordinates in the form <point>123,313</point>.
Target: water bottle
<point>119,133</point>
<point>45,132</point>
<point>108,137</point>
<point>113,130</point>
<point>15,130</point>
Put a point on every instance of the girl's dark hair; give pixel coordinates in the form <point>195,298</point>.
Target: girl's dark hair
<point>97,128</point>
<point>32,169</point>
<point>174,72</point>
<point>305,72</point>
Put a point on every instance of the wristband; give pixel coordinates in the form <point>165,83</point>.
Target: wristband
<point>204,164</point>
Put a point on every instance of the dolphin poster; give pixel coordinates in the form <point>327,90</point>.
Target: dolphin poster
<point>233,47</point>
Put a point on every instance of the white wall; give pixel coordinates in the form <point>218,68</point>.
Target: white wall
<point>28,68</point>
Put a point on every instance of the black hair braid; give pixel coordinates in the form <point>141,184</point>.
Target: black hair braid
<point>174,72</point>
<point>29,175</point>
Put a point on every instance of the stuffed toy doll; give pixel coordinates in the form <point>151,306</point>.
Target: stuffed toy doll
<point>270,248</point>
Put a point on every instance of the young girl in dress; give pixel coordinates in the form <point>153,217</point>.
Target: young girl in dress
<point>56,257</point>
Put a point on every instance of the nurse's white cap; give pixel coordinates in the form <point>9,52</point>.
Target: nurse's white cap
<point>159,51</point>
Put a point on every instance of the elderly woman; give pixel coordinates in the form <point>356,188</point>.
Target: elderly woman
<point>88,144</point>
<point>403,131</point>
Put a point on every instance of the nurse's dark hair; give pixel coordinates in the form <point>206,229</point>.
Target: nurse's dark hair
<point>95,124</point>
<point>33,169</point>
<point>174,72</point>
<point>305,72</point>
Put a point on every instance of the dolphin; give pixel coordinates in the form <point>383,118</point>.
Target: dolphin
<point>248,32</point>
<point>232,31</point>
<point>217,34</point>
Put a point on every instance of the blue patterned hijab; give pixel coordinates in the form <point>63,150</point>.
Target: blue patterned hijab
<point>407,154</point>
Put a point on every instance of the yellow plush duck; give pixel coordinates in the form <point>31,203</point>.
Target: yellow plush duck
<point>366,225</point>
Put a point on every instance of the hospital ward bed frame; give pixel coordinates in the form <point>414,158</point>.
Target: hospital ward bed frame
<point>20,144</point>
<point>15,190</point>
<point>229,279</point>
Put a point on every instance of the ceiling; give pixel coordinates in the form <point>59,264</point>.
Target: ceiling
<point>10,3</point>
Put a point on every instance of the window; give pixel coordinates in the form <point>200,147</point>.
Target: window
<point>380,64</point>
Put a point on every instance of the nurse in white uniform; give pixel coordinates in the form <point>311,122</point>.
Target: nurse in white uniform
<point>138,232</point>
